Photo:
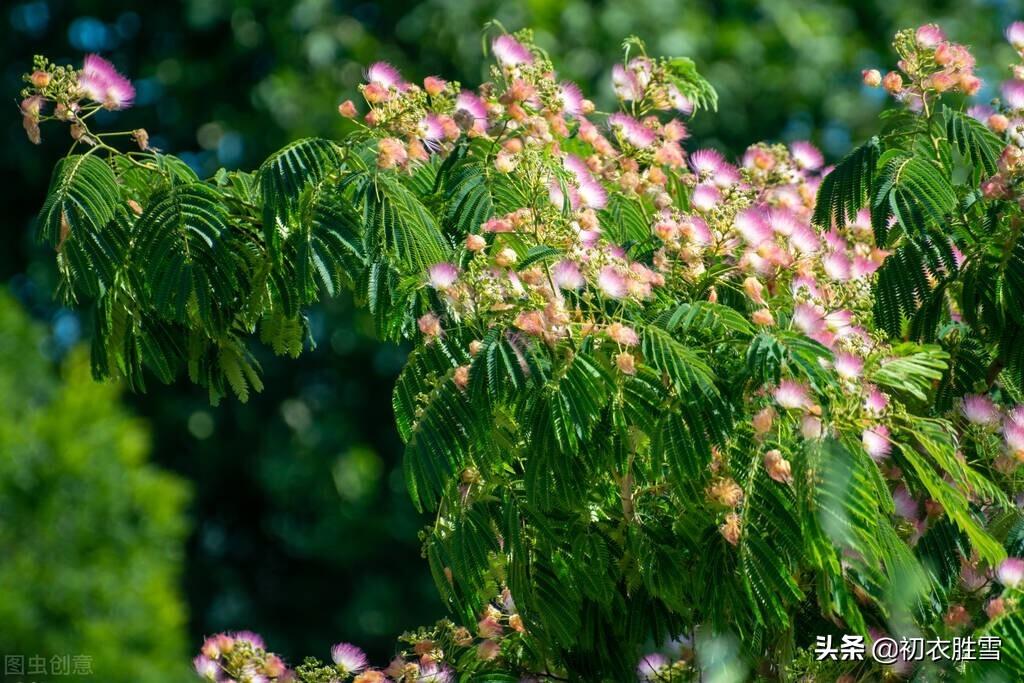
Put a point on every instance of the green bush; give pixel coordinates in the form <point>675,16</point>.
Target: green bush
<point>91,534</point>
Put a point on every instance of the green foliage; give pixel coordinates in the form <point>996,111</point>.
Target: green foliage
<point>93,534</point>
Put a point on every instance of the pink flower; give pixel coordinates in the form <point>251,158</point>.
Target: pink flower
<point>566,275</point>
<point>434,85</point>
<point>1013,94</point>
<point>625,363</point>
<point>979,410</point>
<point>706,162</point>
<point>623,334</point>
<point>808,319</point>
<point>837,266</point>
<point>791,395</point>
<point>1011,572</point>
<point>571,97</point>
<point>625,83</point>
<point>1015,35</point>
<point>778,468</point>
<point>876,442</point>
<point>385,75</point>
<point>206,668</point>
<point>612,282</point>
<point>349,658</point>
<point>1013,432</point>
<point>930,35</point>
<point>806,155</point>
<point>471,110</point>
<point>390,153</point>
<point>591,192</point>
<point>431,128</point>
<point>442,275</point>
<point>810,427</point>
<point>430,325</point>
<point>632,131</point>
<point>432,672</point>
<point>753,226</point>
<point>848,366</point>
<point>906,506</point>
<point>679,101</point>
<point>705,197</point>
<point>348,109</point>
<point>804,240</point>
<point>510,52</point>
<point>651,666</point>
<point>102,83</point>
<point>876,402</point>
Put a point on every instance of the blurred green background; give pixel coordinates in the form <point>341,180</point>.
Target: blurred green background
<point>288,515</point>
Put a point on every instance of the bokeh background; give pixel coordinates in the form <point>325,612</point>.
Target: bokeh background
<point>133,525</point>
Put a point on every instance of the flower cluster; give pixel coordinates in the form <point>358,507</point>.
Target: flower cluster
<point>75,96</point>
<point>429,656</point>
<point>929,66</point>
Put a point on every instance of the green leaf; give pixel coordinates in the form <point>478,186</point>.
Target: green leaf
<point>848,188</point>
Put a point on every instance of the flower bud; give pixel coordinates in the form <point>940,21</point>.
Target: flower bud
<point>872,78</point>
<point>625,363</point>
<point>347,109</point>
<point>505,162</point>
<point>40,79</point>
<point>730,529</point>
<point>506,257</point>
<point>434,85</point>
<point>430,325</point>
<point>475,243</point>
<point>998,123</point>
<point>893,82</point>
<point>141,138</point>
<point>763,420</point>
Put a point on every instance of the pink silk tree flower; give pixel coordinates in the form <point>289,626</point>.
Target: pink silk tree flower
<point>102,83</point>
<point>1015,35</point>
<point>706,162</point>
<point>848,366</point>
<point>384,75</point>
<point>806,155</point>
<point>1013,94</point>
<point>349,658</point>
<point>625,84</point>
<point>612,282</point>
<point>442,275</point>
<point>567,275</point>
<point>876,442</point>
<point>979,410</point>
<point>571,97</point>
<point>510,52</point>
<point>792,395</point>
<point>1011,572</point>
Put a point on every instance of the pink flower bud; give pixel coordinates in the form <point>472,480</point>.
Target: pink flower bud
<point>871,77</point>
<point>763,317</point>
<point>763,420</point>
<point>434,85</point>
<point>626,363</point>
<point>430,325</point>
<point>348,109</point>
<point>475,242</point>
<point>40,79</point>
<point>998,123</point>
<point>506,257</point>
<point>893,82</point>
